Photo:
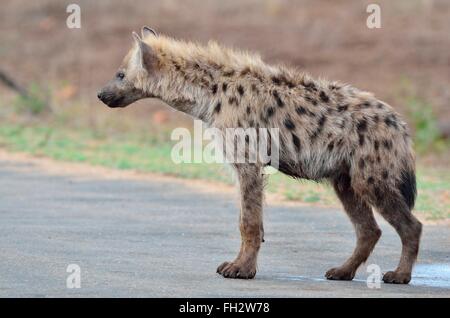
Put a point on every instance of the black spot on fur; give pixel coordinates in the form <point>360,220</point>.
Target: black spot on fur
<point>270,112</point>
<point>314,135</point>
<point>233,100</point>
<point>254,88</point>
<point>311,114</point>
<point>361,139</point>
<point>202,115</point>
<point>385,174</point>
<point>263,117</point>
<point>370,180</point>
<point>407,187</point>
<point>342,108</point>
<point>296,142</point>
<point>282,80</point>
<point>204,82</point>
<point>333,86</point>
<point>224,87</point>
<point>311,100</point>
<point>324,97</point>
<point>240,90</point>
<point>322,121</point>
<point>310,86</point>
<point>245,71</point>
<point>320,124</point>
<point>229,73</point>
<point>376,145</point>
<point>177,66</point>
<point>276,80</point>
<point>290,84</point>
<point>330,146</point>
<point>287,82</point>
<point>300,110</point>
<point>279,101</point>
<point>390,121</point>
<point>214,89</point>
<point>217,107</point>
<point>378,194</point>
<point>365,105</point>
<point>380,105</point>
<point>362,126</point>
<point>289,124</point>
<point>248,110</point>
<point>361,163</point>
<point>216,66</point>
<point>387,144</point>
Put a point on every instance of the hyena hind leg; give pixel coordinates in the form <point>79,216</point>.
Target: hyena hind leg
<point>395,210</point>
<point>367,230</point>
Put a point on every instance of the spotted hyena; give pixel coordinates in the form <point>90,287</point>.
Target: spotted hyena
<point>328,131</point>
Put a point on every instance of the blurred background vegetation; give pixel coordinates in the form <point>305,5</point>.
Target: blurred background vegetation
<point>405,63</point>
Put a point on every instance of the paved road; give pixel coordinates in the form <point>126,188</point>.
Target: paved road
<point>151,239</point>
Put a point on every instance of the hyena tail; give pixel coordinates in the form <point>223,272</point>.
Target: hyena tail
<point>408,188</point>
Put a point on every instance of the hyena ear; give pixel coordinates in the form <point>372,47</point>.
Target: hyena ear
<point>146,31</point>
<point>145,57</point>
<point>136,37</point>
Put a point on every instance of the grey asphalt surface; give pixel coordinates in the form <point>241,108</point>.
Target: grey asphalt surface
<point>159,239</point>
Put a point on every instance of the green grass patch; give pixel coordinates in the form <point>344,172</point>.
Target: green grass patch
<point>35,103</point>
<point>153,154</point>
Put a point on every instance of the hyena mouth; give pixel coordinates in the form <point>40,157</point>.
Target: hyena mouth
<point>118,102</point>
<point>113,102</point>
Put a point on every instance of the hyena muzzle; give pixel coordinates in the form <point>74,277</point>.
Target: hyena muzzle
<point>328,132</point>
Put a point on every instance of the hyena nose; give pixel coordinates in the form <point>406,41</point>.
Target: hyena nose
<point>100,95</point>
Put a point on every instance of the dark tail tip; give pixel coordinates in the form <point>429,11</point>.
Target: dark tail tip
<point>408,187</point>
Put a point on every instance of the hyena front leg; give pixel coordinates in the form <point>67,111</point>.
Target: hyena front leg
<point>367,230</point>
<point>251,182</point>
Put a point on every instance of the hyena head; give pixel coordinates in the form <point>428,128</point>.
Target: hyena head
<point>131,82</point>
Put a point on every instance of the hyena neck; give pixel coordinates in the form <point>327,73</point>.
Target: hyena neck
<point>178,92</point>
<point>193,77</point>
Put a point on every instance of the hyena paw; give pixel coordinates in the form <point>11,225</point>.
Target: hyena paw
<point>236,270</point>
<point>340,273</point>
<point>395,277</point>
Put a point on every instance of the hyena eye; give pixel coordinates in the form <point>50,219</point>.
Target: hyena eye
<point>120,75</point>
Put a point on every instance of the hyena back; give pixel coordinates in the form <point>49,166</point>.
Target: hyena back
<point>328,131</point>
